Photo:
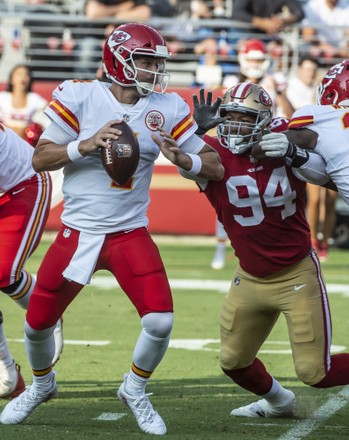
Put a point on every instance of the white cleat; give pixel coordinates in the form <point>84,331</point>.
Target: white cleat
<point>22,406</point>
<point>11,381</point>
<point>59,342</point>
<point>147,418</point>
<point>262,408</point>
<point>218,261</point>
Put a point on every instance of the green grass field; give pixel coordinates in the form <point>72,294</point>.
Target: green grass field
<point>190,391</point>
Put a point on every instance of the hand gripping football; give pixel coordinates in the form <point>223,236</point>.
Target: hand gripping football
<point>121,160</point>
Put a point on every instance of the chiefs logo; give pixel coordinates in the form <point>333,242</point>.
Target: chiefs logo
<point>334,71</point>
<point>117,38</point>
<point>154,120</point>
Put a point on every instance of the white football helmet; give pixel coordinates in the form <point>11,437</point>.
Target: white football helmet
<point>253,59</point>
<point>250,99</point>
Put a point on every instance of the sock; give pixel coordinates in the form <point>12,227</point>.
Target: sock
<point>277,395</point>
<point>338,374</point>
<point>5,356</point>
<point>23,290</point>
<point>135,383</point>
<point>42,380</point>
<point>149,351</point>
<point>40,347</point>
<point>254,378</point>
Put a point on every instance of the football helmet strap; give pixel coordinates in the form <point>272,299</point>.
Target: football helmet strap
<point>251,51</point>
<point>334,87</point>
<point>246,98</point>
<point>123,45</point>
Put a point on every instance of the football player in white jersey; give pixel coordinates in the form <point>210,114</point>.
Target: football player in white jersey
<point>322,128</point>
<point>104,226</point>
<point>24,207</point>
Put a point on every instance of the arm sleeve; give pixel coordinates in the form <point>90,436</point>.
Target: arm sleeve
<point>313,171</point>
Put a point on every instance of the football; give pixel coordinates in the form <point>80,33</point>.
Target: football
<point>121,160</point>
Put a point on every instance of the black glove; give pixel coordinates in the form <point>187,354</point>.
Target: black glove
<point>205,112</point>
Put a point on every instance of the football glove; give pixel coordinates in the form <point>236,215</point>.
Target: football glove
<point>277,145</point>
<point>205,112</point>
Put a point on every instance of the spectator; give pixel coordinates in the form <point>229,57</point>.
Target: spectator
<point>47,46</point>
<point>324,39</point>
<point>91,35</point>
<point>321,213</point>
<point>254,64</point>
<point>301,86</point>
<point>268,16</point>
<point>20,107</point>
<point>130,10</point>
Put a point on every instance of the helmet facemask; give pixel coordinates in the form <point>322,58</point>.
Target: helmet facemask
<point>239,137</point>
<point>249,99</point>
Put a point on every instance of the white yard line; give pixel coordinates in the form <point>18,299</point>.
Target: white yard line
<point>108,282</point>
<point>305,427</point>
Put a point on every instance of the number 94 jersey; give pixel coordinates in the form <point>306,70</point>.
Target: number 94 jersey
<point>261,205</point>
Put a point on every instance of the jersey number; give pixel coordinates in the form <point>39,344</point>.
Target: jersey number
<point>278,192</point>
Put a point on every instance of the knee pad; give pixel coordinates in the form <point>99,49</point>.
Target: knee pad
<point>309,373</point>
<point>158,324</point>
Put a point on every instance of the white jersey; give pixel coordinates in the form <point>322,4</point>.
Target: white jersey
<point>20,117</point>
<point>93,203</point>
<point>15,159</point>
<point>331,123</point>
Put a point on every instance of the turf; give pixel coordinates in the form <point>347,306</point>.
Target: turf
<point>190,391</point>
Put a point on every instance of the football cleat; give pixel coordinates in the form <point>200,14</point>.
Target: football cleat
<point>59,342</point>
<point>147,418</point>
<point>262,408</point>
<point>21,407</point>
<point>11,381</point>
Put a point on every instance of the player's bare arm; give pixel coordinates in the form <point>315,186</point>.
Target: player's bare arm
<point>49,156</point>
<point>211,167</point>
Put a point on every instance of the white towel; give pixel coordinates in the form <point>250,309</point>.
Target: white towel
<point>83,263</point>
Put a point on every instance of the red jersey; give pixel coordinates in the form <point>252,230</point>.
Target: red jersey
<point>261,205</point>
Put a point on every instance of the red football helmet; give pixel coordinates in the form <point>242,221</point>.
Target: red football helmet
<point>250,99</point>
<point>334,87</point>
<point>123,45</point>
<point>253,59</point>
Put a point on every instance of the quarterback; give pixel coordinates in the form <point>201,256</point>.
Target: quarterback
<point>262,208</point>
<point>104,225</point>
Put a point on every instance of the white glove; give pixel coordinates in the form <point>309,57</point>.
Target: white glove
<point>274,144</point>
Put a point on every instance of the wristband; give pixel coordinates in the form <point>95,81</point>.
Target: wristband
<point>196,164</point>
<point>295,156</point>
<point>73,151</point>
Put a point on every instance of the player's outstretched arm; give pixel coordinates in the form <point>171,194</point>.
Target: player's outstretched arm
<point>205,165</point>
